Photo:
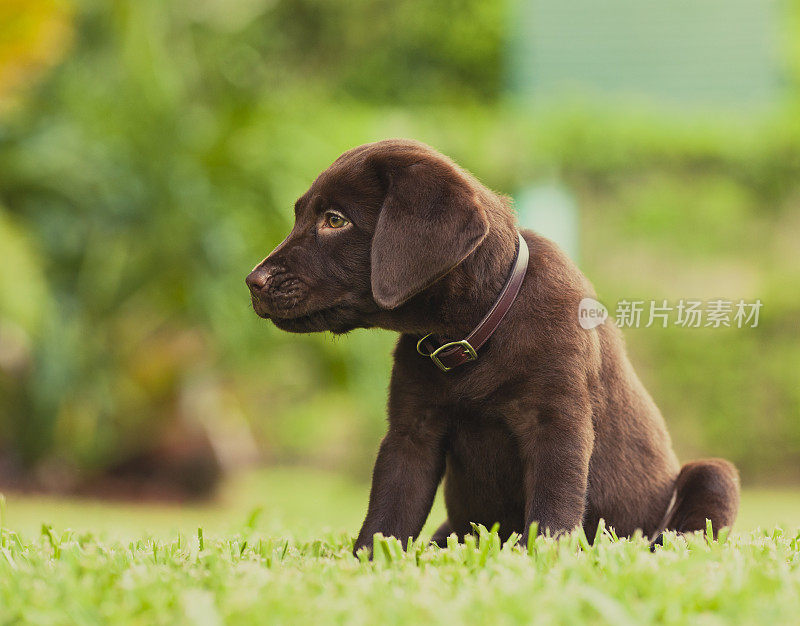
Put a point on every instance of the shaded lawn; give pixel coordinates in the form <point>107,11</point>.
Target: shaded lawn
<point>304,503</point>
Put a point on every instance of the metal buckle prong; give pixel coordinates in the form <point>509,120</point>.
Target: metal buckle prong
<point>419,345</point>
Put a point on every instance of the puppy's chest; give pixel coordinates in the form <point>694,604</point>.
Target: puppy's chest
<point>480,443</point>
<point>471,425</point>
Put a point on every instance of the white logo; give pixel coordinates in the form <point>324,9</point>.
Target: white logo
<point>591,313</point>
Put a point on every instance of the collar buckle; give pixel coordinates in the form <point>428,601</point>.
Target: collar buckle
<point>468,354</point>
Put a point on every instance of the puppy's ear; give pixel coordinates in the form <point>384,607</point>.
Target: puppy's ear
<point>430,221</point>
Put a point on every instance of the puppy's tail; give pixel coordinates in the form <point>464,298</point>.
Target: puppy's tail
<point>706,489</point>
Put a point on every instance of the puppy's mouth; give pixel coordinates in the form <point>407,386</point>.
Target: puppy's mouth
<point>332,318</point>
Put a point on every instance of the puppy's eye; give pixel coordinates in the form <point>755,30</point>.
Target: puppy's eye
<point>334,220</point>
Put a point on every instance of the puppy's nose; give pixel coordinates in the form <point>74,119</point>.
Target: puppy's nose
<point>257,279</point>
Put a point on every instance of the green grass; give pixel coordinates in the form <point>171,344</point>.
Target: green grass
<point>276,547</point>
<point>67,577</point>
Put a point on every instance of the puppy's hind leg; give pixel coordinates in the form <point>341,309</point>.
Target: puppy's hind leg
<point>442,533</point>
<point>706,489</point>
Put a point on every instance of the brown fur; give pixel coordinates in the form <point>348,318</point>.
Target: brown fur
<point>550,424</point>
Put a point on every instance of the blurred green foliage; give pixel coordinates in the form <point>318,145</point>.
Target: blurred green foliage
<point>145,175</point>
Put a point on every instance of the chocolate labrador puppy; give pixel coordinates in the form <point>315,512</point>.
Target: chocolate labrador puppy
<point>544,422</point>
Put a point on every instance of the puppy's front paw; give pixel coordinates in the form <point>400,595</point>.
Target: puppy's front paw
<point>362,552</point>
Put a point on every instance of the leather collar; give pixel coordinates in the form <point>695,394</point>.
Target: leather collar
<point>454,353</point>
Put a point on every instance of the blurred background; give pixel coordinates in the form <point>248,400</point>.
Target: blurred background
<point>150,154</point>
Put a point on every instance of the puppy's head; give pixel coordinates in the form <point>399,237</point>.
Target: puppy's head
<point>383,223</point>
